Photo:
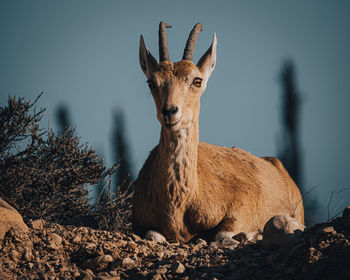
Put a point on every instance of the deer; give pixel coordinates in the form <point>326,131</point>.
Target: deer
<point>187,189</point>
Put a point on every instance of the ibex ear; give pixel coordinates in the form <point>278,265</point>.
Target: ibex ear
<point>147,61</point>
<point>207,62</point>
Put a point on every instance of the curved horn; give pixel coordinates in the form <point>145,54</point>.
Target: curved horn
<point>191,42</point>
<point>163,45</point>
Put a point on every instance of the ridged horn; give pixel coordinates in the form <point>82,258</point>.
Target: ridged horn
<point>191,42</point>
<point>163,45</point>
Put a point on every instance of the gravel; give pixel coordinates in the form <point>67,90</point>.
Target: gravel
<point>53,251</point>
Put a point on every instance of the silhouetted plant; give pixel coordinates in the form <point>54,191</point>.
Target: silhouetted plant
<point>43,174</point>
<point>290,149</point>
<point>112,209</point>
<point>63,119</point>
<point>291,102</point>
<point>121,152</point>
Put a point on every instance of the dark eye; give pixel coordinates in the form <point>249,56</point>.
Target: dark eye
<point>197,82</point>
<point>151,85</point>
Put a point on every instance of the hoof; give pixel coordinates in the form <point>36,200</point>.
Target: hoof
<point>155,236</point>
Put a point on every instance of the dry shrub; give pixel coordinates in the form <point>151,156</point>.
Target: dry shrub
<point>113,211</point>
<point>43,174</point>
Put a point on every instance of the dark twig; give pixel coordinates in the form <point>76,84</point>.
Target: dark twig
<point>330,200</point>
<point>303,199</point>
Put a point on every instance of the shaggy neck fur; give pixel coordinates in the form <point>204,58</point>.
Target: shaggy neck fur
<point>177,163</point>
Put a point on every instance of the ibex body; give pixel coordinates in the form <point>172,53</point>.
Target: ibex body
<point>188,188</point>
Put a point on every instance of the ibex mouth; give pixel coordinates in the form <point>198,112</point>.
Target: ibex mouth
<point>170,125</point>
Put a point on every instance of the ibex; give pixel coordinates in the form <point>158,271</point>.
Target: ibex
<point>187,188</point>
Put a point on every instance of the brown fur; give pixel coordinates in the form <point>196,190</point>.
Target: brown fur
<point>187,188</point>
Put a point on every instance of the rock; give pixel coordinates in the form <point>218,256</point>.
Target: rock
<point>63,268</point>
<point>190,267</point>
<point>27,255</point>
<point>182,253</point>
<point>160,254</point>
<point>37,224</point>
<point>77,239</point>
<point>178,268</point>
<point>325,230</point>
<point>143,273</point>
<point>280,229</point>
<point>213,245</point>
<point>131,245</point>
<point>87,275</point>
<point>14,255</point>
<point>200,243</point>
<point>54,241</point>
<point>89,246</point>
<point>157,276</point>
<point>9,217</point>
<point>135,237</point>
<point>99,262</point>
<point>105,259</point>
<point>161,270</point>
<point>128,262</point>
<point>106,276</point>
<point>88,249</point>
<point>30,265</point>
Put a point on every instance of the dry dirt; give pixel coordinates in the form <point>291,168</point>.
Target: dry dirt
<point>53,251</point>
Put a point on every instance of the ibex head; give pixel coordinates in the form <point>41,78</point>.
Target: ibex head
<point>177,87</point>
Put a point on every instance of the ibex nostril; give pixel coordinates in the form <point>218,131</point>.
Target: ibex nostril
<point>169,112</point>
<point>173,110</point>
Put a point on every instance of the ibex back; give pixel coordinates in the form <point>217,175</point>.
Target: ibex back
<point>187,188</point>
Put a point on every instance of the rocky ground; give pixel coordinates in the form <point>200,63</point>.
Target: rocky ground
<point>53,251</point>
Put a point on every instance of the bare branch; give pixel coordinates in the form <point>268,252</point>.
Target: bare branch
<point>330,200</point>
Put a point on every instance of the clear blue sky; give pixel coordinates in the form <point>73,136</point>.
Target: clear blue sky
<point>85,54</point>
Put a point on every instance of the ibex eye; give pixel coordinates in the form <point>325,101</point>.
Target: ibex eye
<point>197,82</point>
